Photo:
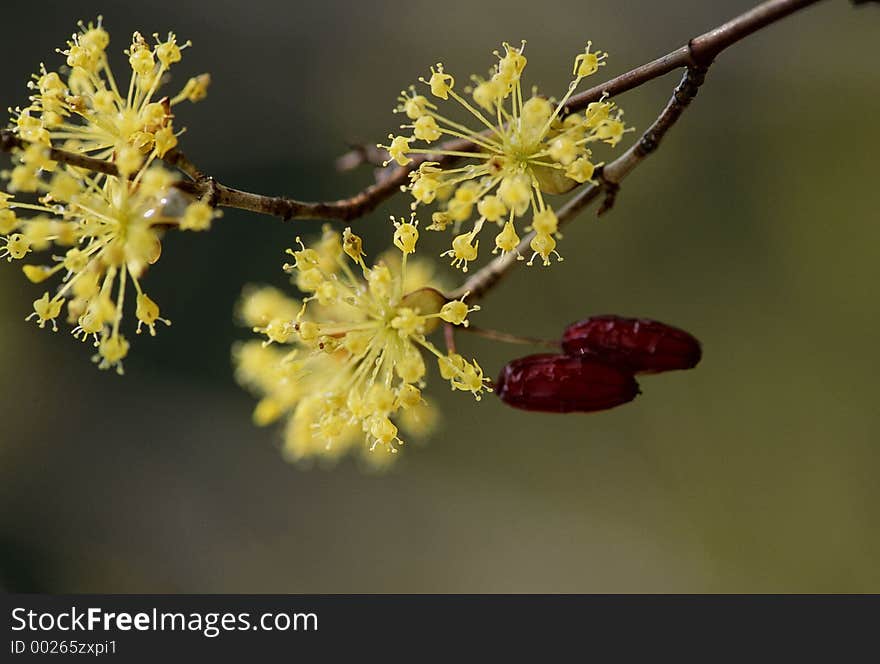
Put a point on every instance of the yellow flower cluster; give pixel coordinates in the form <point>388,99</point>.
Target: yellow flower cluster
<point>103,230</point>
<point>525,148</point>
<point>352,369</point>
<point>88,112</point>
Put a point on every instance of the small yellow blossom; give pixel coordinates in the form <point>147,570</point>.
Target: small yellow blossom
<point>196,88</point>
<point>464,249</point>
<point>147,313</point>
<point>544,246</point>
<point>46,310</point>
<point>17,246</point>
<point>440,83</point>
<point>581,170</point>
<point>398,149</point>
<point>526,149</point>
<point>198,217</point>
<point>492,208</point>
<point>426,129</point>
<point>345,365</point>
<point>507,240</point>
<point>259,305</point>
<point>456,312</point>
<point>406,234</point>
<point>588,63</point>
<point>545,222</point>
<point>111,352</point>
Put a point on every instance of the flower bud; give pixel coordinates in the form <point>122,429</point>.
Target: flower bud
<point>564,384</point>
<point>637,344</point>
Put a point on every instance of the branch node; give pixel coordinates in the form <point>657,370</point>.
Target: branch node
<point>689,86</point>
<point>213,194</point>
<point>647,143</point>
<point>611,190</point>
<point>697,59</point>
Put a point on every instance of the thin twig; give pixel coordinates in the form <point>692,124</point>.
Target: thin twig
<point>361,154</point>
<point>179,160</point>
<point>497,335</point>
<point>288,208</point>
<point>607,180</point>
<point>449,337</point>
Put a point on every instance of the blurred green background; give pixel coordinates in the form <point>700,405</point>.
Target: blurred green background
<point>755,227</point>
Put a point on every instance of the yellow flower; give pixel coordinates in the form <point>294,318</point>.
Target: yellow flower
<point>525,149</point>
<point>464,249</point>
<point>17,246</point>
<point>352,367</point>
<point>398,149</point>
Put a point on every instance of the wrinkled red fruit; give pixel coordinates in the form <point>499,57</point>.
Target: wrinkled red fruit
<point>564,384</point>
<point>638,344</point>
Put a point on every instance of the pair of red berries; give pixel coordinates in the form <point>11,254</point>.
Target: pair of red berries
<point>597,371</point>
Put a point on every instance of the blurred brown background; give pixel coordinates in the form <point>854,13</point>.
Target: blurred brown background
<point>755,227</point>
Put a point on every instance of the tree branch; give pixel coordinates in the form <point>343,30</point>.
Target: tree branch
<point>698,53</point>
<point>504,337</point>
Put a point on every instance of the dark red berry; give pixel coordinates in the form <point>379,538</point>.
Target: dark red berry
<point>638,344</point>
<point>564,384</point>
